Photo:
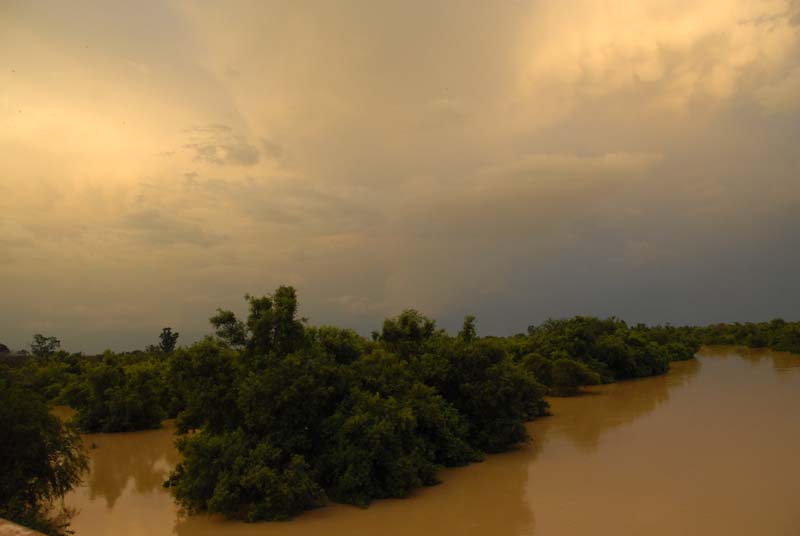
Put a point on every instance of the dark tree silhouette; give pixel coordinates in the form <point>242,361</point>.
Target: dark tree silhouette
<point>44,346</point>
<point>168,340</point>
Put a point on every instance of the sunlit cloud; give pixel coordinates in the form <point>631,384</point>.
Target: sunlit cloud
<point>515,160</point>
<point>674,52</point>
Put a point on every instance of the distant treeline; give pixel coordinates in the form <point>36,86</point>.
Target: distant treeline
<point>776,335</point>
<point>275,416</point>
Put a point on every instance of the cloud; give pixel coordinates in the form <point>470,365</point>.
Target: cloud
<point>290,202</point>
<point>359,305</point>
<point>675,51</point>
<point>511,159</point>
<point>783,96</point>
<point>219,145</point>
<point>642,254</point>
<point>444,112</point>
<point>272,149</point>
<point>159,228</point>
<point>530,194</point>
<point>560,167</point>
<point>141,68</point>
<point>13,235</point>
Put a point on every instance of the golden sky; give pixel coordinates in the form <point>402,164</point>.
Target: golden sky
<point>512,159</point>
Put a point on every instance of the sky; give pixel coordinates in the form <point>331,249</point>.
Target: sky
<point>516,160</point>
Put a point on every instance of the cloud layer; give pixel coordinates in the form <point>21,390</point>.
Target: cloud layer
<point>516,160</point>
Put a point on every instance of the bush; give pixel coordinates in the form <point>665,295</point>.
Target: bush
<point>235,474</point>
<point>568,375</point>
<point>495,395</point>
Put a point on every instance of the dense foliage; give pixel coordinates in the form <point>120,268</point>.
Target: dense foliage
<point>566,354</point>
<point>40,459</point>
<point>776,334</point>
<point>279,416</point>
<point>111,397</point>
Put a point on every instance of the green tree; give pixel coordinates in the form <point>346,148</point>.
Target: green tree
<point>272,326</point>
<point>229,328</point>
<point>205,376</point>
<point>407,333</point>
<point>541,367</point>
<point>468,331</point>
<point>241,476</point>
<point>168,339</point>
<point>569,375</point>
<point>495,395</point>
<point>375,450</point>
<point>40,461</point>
<point>44,346</point>
<point>110,397</point>
<point>257,424</point>
<point>345,345</point>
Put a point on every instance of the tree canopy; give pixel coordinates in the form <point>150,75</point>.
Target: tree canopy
<point>41,459</point>
<point>44,346</point>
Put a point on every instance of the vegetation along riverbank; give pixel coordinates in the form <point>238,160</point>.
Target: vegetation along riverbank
<point>275,416</point>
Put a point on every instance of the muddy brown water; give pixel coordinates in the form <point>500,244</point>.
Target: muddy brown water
<point>712,448</point>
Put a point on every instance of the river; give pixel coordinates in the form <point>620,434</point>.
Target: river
<point>712,448</point>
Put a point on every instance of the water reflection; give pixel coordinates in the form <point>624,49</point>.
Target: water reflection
<point>485,498</point>
<point>713,452</point>
<point>141,460</point>
<point>584,419</point>
<point>781,362</point>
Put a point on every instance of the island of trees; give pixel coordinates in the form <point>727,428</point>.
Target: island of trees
<point>275,416</point>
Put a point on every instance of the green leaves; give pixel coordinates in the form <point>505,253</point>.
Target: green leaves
<point>568,375</point>
<point>168,339</point>
<point>776,334</point>
<point>40,460</point>
<point>605,347</point>
<point>284,415</point>
<point>44,346</point>
<point>241,476</point>
<point>374,450</point>
<point>204,378</point>
<point>111,397</point>
<point>493,393</point>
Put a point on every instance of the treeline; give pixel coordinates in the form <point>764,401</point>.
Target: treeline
<point>275,416</point>
<point>566,354</point>
<point>776,334</point>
